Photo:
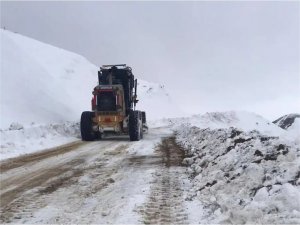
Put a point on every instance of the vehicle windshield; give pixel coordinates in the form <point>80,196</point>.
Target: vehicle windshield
<point>106,101</point>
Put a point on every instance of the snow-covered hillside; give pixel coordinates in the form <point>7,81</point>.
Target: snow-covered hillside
<point>289,121</point>
<point>41,83</point>
<point>156,101</point>
<point>44,84</point>
<point>243,120</point>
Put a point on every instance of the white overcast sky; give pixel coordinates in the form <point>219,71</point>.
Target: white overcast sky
<point>212,56</point>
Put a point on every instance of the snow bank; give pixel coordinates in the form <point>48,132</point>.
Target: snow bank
<point>242,177</point>
<point>243,120</point>
<point>246,121</point>
<point>18,141</point>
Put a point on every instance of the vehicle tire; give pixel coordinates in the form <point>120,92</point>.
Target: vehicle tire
<point>98,135</point>
<point>141,132</point>
<point>134,126</point>
<point>144,117</point>
<point>86,126</point>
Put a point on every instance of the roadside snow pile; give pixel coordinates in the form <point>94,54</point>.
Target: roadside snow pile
<point>242,177</point>
<point>243,120</point>
<point>155,101</point>
<point>16,140</point>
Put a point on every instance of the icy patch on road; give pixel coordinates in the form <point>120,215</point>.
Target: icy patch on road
<point>242,177</point>
<point>19,140</point>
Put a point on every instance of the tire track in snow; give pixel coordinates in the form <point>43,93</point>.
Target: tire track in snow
<point>165,203</point>
<point>20,197</point>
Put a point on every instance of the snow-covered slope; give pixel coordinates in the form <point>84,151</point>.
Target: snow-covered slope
<point>44,84</point>
<point>243,120</point>
<point>288,121</point>
<point>291,123</point>
<point>246,121</point>
<point>155,100</point>
<point>41,83</point>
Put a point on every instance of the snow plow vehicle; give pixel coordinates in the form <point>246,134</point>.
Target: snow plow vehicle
<point>113,106</point>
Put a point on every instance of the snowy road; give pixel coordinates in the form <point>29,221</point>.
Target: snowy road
<point>108,181</point>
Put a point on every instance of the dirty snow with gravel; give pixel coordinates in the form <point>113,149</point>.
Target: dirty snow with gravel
<point>242,176</point>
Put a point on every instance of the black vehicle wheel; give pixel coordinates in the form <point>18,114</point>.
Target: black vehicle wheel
<point>86,126</point>
<point>98,135</point>
<point>141,132</point>
<point>144,117</point>
<point>135,126</point>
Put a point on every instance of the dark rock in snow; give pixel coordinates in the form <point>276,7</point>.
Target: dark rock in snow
<point>258,153</point>
<point>286,121</point>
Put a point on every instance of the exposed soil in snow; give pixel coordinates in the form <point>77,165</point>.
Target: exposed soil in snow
<point>165,203</point>
<point>33,157</point>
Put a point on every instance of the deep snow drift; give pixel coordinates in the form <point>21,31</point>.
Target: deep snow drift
<point>243,120</point>
<point>41,83</point>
